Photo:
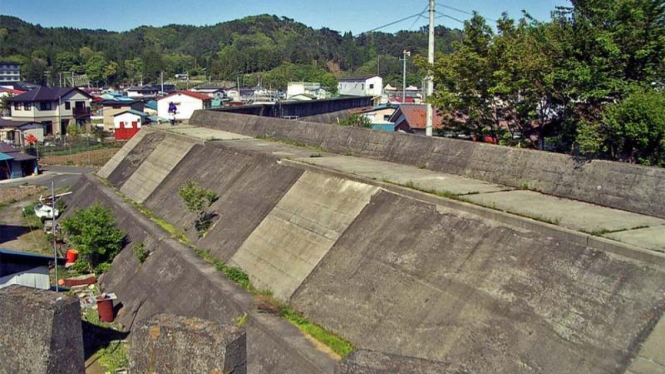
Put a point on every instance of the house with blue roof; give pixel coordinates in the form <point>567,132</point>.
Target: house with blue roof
<point>16,164</point>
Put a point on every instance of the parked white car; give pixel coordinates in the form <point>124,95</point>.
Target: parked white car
<point>45,212</point>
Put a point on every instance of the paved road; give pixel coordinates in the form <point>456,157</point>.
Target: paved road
<point>63,176</point>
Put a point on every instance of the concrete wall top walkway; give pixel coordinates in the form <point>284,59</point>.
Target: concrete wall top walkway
<point>623,186</point>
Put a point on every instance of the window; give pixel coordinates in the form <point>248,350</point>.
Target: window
<point>17,106</point>
<point>27,106</point>
<point>371,86</point>
<point>68,106</point>
<point>45,105</point>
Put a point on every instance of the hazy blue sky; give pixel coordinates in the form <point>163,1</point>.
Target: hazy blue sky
<point>341,15</point>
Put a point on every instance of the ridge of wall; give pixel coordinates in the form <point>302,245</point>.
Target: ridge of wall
<point>623,186</point>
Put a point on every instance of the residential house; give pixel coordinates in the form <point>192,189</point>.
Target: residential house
<point>371,85</point>
<point>53,107</point>
<point>306,91</point>
<point>8,92</point>
<point>184,102</point>
<point>413,119</point>
<point>26,269</point>
<point>214,92</point>
<point>128,123</point>
<point>19,134</point>
<point>10,72</point>
<point>149,91</point>
<point>15,164</point>
<point>411,95</point>
<point>118,105</point>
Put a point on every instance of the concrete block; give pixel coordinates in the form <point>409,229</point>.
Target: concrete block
<point>171,344</point>
<point>369,362</point>
<point>298,233</point>
<point>40,332</point>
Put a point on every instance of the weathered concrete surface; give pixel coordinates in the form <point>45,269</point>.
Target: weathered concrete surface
<point>575,215</point>
<point>651,238</point>
<point>201,132</point>
<point>629,187</point>
<point>171,344</point>
<point>298,233</point>
<point>409,280</point>
<point>40,332</point>
<point>405,175</point>
<point>249,185</point>
<point>651,359</point>
<point>136,154</point>
<point>117,158</point>
<point>175,280</point>
<point>156,168</point>
<point>368,362</point>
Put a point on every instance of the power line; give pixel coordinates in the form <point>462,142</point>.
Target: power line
<point>464,12</point>
<point>442,15</point>
<point>419,16</point>
<point>392,23</point>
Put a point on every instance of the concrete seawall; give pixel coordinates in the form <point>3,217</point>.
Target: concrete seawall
<point>623,186</point>
<point>388,271</point>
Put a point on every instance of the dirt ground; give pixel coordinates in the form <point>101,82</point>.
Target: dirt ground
<point>98,157</point>
<point>15,232</point>
<point>13,194</point>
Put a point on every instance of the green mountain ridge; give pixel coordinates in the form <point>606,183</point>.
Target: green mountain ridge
<point>279,48</point>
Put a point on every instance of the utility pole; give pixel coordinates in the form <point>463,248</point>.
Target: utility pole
<point>430,60</point>
<point>53,221</point>
<point>405,53</point>
<point>161,78</point>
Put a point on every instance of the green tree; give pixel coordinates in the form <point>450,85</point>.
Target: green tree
<point>632,130</point>
<point>356,120</point>
<point>94,233</point>
<point>197,200</point>
<point>94,67</point>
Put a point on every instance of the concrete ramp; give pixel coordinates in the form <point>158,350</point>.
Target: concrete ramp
<point>412,279</point>
<point>156,168</point>
<point>117,158</point>
<point>298,233</point>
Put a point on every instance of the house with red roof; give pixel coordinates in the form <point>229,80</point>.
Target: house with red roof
<point>412,119</point>
<point>180,105</point>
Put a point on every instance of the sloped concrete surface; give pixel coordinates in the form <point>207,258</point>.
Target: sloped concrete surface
<point>652,238</point>
<point>176,281</point>
<point>409,280</point>
<point>295,236</point>
<point>156,168</point>
<point>135,155</point>
<point>249,185</point>
<point>117,158</point>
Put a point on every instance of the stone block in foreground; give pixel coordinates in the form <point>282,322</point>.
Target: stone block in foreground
<point>172,344</point>
<point>40,332</point>
<point>369,362</point>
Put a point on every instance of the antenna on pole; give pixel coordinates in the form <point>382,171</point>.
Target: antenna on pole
<point>430,60</point>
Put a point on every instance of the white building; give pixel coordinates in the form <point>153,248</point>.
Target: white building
<point>371,85</point>
<point>25,269</point>
<point>185,103</point>
<point>10,72</point>
<point>305,91</point>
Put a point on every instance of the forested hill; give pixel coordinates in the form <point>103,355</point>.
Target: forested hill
<point>285,48</point>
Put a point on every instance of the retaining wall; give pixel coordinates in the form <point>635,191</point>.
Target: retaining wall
<point>623,186</point>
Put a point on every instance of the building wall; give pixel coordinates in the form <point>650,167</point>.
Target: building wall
<point>127,118</point>
<point>186,106</point>
<point>110,111</point>
<point>35,278</point>
<point>370,87</point>
<point>10,72</point>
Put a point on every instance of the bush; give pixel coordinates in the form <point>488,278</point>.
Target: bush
<point>94,233</point>
<point>356,120</point>
<point>140,252</point>
<point>197,200</point>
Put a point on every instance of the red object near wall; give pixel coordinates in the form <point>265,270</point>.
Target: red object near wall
<point>126,132</point>
<point>105,309</point>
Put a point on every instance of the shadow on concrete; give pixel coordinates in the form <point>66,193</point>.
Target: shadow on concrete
<point>98,337</point>
<point>12,232</point>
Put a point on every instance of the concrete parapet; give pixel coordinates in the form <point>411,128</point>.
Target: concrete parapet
<point>40,332</point>
<point>369,362</point>
<point>623,186</point>
<point>171,344</point>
